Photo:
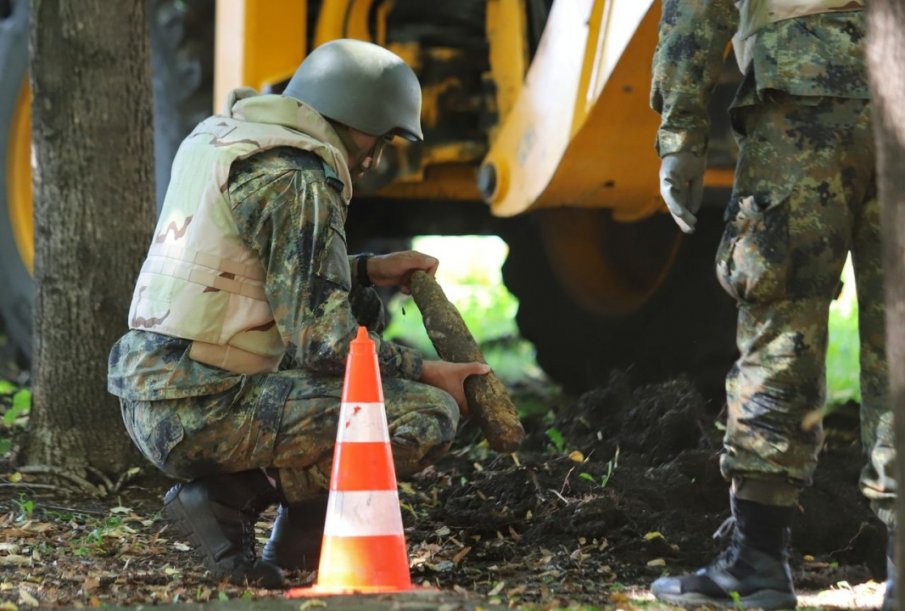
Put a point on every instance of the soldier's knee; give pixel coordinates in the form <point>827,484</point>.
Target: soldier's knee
<point>154,429</point>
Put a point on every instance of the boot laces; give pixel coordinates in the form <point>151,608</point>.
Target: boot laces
<point>726,528</point>
<point>251,512</point>
<point>248,539</point>
<point>729,555</point>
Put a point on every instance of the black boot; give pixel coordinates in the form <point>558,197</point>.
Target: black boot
<point>753,571</point>
<point>295,542</point>
<point>218,515</point>
<point>889,597</point>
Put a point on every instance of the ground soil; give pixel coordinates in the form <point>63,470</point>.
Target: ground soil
<point>630,491</point>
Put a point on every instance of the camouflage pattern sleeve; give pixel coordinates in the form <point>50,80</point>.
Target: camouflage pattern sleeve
<point>694,35</point>
<point>293,218</point>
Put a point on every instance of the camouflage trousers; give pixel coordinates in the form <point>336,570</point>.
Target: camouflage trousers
<point>284,422</point>
<point>804,197</point>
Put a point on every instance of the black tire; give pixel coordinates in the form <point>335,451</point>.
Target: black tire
<point>16,285</point>
<point>182,48</point>
<point>182,67</point>
<point>687,326</point>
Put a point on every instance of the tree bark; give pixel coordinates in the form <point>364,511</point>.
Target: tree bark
<point>94,210</point>
<point>886,59</point>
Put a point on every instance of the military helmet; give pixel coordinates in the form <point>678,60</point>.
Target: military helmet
<point>361,85</point>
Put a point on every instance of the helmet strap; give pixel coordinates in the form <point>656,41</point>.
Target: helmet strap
<point>353,151</point>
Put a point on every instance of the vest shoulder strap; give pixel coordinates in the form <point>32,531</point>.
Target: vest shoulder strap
<point>332,178</point>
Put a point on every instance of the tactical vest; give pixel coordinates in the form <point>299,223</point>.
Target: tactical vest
<point>755,14</point>
<point>200,281</point>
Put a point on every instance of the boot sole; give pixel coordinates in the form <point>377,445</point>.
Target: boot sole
<point>764,599</point>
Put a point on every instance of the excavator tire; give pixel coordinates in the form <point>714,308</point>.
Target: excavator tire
<point>16,287</point>
<point>182,47</point>
<point>687,326</point>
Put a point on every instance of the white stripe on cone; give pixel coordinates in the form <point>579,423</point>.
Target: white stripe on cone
<point>368,513</point>
<point>361,422</point>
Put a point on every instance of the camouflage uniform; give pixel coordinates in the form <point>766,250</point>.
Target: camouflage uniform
<point>192,420</point>
<point>804,196</point>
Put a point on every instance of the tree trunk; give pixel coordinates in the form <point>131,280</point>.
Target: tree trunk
<point>886,58</point>
<point>94,209</point>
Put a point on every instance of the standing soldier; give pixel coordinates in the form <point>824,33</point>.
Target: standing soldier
<point>804,197</point>
<point>231,374</point>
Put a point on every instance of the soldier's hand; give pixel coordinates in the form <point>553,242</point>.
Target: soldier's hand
<point>396,268</point>
<point>451,378</point>
<point>682,187</point>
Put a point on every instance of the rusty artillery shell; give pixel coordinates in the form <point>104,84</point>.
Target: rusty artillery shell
<point>487,397</point>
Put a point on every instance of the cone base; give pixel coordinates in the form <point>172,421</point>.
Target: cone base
<point>316,590</point>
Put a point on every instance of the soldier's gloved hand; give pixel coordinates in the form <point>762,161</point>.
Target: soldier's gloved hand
<point>682,186</point>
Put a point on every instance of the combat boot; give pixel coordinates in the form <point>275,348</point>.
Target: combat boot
<point>218,515</point>
<point>753,571</point>
<point>298,531</point>
<point>889,597</point>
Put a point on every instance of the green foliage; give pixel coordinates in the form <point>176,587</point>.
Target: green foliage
<point>605,478</point>
<point>469,273</point>
<point>842,366</point>
<point>556,439</point>
<point>21,407</point>
<point>97,535</point>
<point>15,405</point>
<point>25,507</point>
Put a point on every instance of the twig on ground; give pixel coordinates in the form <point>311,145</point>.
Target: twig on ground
<point>82,484</point>
<point>29,485</point>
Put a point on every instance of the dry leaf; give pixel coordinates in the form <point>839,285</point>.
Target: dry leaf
<point>25,597</point>
<point>461,554</point>
<point>14,560</point>
<point>656,562</point>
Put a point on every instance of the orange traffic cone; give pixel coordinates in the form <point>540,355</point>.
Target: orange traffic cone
<point>364,546</point>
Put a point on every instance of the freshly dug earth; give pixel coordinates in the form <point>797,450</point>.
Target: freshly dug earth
<point>621,486</point>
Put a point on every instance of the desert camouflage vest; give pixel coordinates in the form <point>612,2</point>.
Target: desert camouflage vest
<point>755,14</point>
<point>200,281</point>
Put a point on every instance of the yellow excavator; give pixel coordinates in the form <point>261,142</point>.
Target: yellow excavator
<point>537,128</point>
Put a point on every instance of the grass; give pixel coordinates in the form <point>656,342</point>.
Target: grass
<point>842,370</point>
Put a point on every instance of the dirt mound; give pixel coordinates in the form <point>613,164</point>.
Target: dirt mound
<point>622,485</point>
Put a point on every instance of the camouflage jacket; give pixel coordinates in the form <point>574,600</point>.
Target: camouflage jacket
<point>290,213</point>
<point>817,55</point>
